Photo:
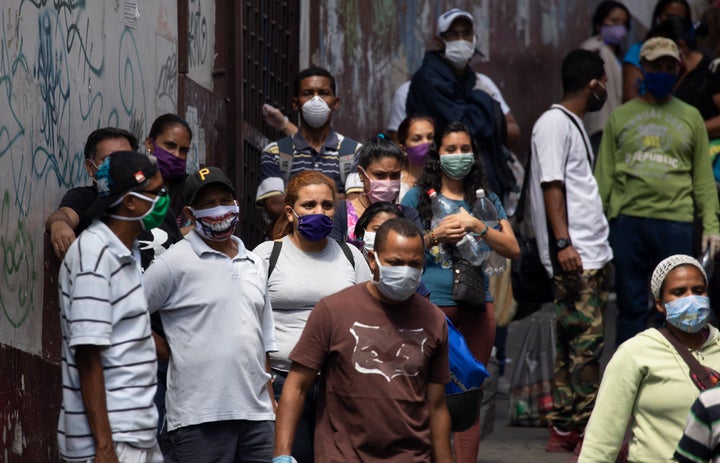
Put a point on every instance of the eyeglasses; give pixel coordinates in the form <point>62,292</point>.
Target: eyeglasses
<point>162,191</point>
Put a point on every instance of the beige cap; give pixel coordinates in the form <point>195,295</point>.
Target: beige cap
<point>657,47</point>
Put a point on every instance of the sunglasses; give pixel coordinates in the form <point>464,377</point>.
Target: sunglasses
<point>162,191</point>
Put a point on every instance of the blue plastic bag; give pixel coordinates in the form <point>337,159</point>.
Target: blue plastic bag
<point>466,372</point>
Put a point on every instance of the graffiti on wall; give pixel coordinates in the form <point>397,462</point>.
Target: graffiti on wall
<point>66,68</point>
<point>201,41</point>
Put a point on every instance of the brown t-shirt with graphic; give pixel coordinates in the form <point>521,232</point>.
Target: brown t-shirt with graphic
<point>376,361</point>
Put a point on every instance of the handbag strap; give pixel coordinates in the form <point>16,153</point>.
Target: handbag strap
<point>520,209</point>
<point>701,375</point>
<point>454,379</point>
<point>582,135</point>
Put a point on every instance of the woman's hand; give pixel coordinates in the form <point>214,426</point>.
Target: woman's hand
<point>449,230</point>
<point>469,222</point>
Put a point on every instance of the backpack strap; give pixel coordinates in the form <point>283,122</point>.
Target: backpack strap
<point>702,376</point>
<point>346,157</point>
<point>348,253</point>
<point>286,149</point>
<point>274,254</point>
<point>277,247</point>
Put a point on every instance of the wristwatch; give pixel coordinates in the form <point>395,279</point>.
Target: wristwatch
<point>562,243</point>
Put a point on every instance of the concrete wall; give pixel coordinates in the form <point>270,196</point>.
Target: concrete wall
<point>372,46</point>
<point>67,68</point>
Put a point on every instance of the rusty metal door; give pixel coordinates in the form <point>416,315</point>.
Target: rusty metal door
<point>256,58</point>
<point>269,61</point>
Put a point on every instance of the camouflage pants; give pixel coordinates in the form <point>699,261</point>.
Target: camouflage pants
<point>579,304</point>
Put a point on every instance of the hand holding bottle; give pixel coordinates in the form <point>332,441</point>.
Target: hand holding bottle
<point>449,230</point>
<point>469,222</point>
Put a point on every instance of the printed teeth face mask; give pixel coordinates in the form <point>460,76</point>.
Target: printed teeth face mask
<point>216,223</point>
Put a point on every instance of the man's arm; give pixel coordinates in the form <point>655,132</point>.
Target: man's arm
<point>277,120</point>
<point>556,212</point>
<point>162,348</point>
<point>297,384</point>
<point>604,170</point>
<point>513,132</point>
<point>92,386</point>
<point>270,382</point>
<point>704,189</point>
<point>62,224</point>
<point>439,424</point>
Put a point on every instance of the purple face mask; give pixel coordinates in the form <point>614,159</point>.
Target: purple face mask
<point>314,227</point>
<point>171,167</point>
<point>416,154</point>
<point>614,34</point>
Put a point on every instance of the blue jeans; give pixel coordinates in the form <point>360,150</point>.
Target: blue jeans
<point>233,441</point>
<point>639,244</point>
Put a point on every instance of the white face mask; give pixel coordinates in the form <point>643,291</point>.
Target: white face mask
<point>369,240</point>
<point>459,52</point>
<point>397,283</point>
<point>316,112</point>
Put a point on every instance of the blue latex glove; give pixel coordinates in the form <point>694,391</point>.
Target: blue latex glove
<point>284,459</point>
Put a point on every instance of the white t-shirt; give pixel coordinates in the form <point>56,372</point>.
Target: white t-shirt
<point>299,280</point>
<point>559,153</point>
<point>218,321</point>
<point>399,101</point>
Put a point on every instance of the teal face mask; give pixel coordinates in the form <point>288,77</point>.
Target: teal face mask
<point>457,166</point>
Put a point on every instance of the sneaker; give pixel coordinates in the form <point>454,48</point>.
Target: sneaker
<point>561,441</point>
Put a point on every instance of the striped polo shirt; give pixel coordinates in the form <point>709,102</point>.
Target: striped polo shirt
<point>701,440</point>
<point>304,157</point>
<point>102,303</point>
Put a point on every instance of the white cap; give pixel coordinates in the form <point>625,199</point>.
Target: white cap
<point>446,19</point>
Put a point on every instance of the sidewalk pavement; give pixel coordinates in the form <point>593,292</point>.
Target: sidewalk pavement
<point>512,444</point>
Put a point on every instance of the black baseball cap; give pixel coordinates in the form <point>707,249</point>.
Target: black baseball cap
<point>202,178</point>
<point>120,173</point>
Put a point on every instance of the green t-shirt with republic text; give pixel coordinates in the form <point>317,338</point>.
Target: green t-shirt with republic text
<point>653,163</point>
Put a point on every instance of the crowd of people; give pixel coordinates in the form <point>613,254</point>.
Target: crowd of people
<point>329,341</point>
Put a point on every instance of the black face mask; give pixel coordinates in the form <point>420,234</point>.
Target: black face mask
<point>598,100</point>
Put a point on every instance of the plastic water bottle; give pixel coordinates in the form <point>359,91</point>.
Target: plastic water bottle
<point>471,248</point>
<point>485,211</point>
<point>441,208</point>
